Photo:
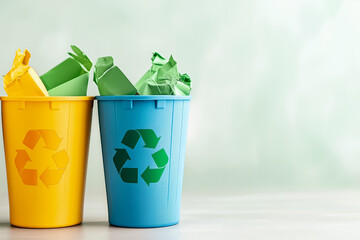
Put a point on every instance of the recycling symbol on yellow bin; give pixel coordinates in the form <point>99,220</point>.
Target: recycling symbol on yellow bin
<point>49,176</point>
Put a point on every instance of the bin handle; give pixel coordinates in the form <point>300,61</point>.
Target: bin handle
<point>54,105</point>
<point>128,104</point>
<point>22,105</point>
<point>160,104</point>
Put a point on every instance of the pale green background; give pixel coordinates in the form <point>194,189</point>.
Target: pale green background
<point>275,83</point>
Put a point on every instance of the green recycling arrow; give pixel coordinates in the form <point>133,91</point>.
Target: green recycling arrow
<point>153,175</point>
<point>149,137</point>
<point>128,175</point>
<point>120,158</point>
<point>130,139</point>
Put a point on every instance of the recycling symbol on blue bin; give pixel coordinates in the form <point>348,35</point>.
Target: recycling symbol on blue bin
<point>149,175</point>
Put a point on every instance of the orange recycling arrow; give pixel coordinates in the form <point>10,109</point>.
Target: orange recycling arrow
<point>49,136</point>
<point>21,159</point>
<point>28,176</point>
<point>51,139</point>
<point>51,177</point>
<point>61,159</point>
<point>31,138</point>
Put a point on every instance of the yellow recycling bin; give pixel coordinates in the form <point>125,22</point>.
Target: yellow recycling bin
<point>46,143</point>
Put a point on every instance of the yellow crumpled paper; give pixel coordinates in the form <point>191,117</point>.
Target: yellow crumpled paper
<point>22,80</point>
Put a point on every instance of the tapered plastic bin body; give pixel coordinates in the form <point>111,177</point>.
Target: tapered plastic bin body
<point>46,142</point>
<point>143,144</point>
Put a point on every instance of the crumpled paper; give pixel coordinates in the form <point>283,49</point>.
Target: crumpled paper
<point>22,80</point>
<point>163,78</point>
<point>110,79</point>
<point>70,77</point>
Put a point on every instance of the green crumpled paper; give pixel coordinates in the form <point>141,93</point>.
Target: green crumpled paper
<point>70,77</point>
<point>110,79</point>
<point>163,78</point>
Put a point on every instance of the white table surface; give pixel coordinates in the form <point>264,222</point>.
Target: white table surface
<point>282,215</point>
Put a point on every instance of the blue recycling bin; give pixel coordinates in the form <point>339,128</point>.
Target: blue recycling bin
<point>143,142</point>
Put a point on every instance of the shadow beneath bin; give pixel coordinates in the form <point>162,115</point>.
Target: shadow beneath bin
<point>54,234</point>
<point>159,233</point>
<point>89,230</point>
<point>74,232</point>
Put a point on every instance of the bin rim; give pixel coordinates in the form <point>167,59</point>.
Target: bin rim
<point>142,97</point>
<point>45,98</point>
